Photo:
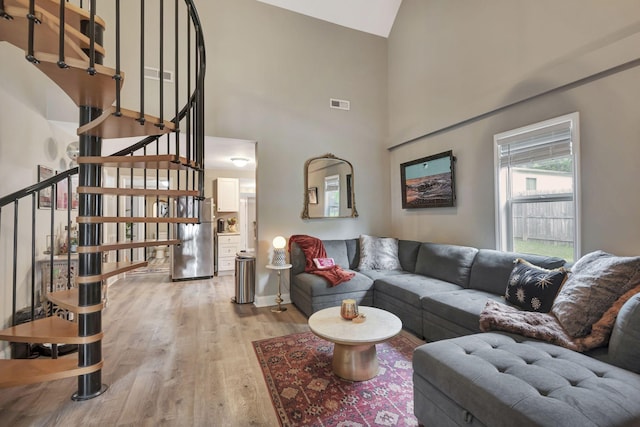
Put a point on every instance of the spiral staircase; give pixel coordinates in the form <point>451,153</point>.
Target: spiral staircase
<point>65,41</point>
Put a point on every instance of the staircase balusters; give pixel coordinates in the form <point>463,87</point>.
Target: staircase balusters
<point>118,206</point>
<point>176,78</point>
<point>62,14</point>
<point>92,38</point>
<point>161,71</point>
<point>33,20</point>
<point>118,76</point>
<point>142,33</point>
<point>188,113</point>
<point>3,14</point>
<point>33,256</point>
<point>14,303</point>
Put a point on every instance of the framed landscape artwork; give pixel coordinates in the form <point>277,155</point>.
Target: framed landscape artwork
<point>429,182</point>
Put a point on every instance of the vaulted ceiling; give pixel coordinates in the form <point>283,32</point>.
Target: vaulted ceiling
<point>371,16</point>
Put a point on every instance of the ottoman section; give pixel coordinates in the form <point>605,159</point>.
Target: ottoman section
<point>499,379</point>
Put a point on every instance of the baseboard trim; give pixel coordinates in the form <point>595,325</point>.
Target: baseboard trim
<point>270,300</point>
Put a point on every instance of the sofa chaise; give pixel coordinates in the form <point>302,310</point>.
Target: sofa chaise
<point>466,377</point>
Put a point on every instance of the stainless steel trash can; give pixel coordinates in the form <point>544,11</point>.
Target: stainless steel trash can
<point>245,278</point>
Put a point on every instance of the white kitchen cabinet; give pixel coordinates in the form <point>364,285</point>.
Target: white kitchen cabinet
<point>228,247</point>
<point>226,192</point>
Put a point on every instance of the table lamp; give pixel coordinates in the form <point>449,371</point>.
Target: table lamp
<point>279,243</point>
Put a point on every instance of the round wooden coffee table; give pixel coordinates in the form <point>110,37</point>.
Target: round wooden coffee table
<point>354,353</point>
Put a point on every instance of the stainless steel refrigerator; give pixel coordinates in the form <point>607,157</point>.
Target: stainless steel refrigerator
<point>194,258</point>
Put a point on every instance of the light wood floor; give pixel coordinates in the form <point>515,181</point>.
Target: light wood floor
<point>176,354</point>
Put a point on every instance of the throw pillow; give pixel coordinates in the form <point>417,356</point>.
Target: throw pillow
<point>324,263</point>
<point>534,288</point>
<point>597,280</point>
<point>378,253</point>
<point>624,347</point>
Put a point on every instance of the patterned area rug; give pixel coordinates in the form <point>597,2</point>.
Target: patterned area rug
<point>305,392</point>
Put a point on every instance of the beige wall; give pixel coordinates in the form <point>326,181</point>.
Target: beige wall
<point>270,74</point>
<point>450,61</point>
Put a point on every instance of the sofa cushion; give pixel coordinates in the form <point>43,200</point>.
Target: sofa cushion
<point>596,281</point>
<point>353,252</point>
<point>624,345</point>
<point>337,249</point>
<point>315,285</point>
<point>463,306</point>
<point>491,269</point>
<point>450,263</point>
<point>411,288</point>
<point>378,253</point>
<point>502,380</point>
<point>408,254</point>
<point>533,288</point>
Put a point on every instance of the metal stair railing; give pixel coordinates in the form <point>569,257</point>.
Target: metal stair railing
<point>189,144</point>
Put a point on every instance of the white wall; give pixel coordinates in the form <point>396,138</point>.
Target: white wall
<point>27,140</point>
<point>453,61</point>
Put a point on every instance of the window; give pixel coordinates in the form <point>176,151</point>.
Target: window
<point>537,188</point>
<point>332,195</point>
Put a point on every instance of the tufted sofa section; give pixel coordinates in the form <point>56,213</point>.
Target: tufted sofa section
<point>497,379</point>
<point>466,378</point>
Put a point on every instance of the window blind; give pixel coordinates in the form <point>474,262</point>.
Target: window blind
<point>537,144</point>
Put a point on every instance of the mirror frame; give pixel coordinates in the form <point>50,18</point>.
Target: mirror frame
<point>305,210</point>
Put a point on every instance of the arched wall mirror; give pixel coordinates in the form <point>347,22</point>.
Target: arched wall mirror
<point>329,188</point>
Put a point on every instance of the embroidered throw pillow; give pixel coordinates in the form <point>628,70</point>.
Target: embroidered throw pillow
<point>324,263</point>
<point>597,280</point>
<point>534,288</point>
<point>378,253</point>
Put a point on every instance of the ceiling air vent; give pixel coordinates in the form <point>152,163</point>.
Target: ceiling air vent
<point>340,104</point>
<point>154,74</point>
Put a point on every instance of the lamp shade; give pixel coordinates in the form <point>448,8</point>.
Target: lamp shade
<point>279,242</point>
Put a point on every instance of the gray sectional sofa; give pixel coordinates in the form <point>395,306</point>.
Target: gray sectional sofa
<point>465,377</point>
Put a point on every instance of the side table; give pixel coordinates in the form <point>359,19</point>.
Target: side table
<point>279,268</point>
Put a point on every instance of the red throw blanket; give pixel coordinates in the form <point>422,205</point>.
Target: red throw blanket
<point>312,247</point>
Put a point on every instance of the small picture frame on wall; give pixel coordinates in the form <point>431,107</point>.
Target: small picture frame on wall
<point>313,195</point>
<point>62,194</point>
<point>45,197</point>
<point>429,182</point>
<point>75,201</point>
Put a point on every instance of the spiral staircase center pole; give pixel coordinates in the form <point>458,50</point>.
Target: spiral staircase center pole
<point>89,264</point>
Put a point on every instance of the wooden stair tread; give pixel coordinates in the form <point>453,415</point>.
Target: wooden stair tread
<point>110,269</point>
<point>46,33</point>
<point>160,162</point>
<point>73,16</point>
<point>113,191</point>
<point>14,372</point>
<point>68,299</point>
<point>135,219</point>
<point>98,90</point>
<point>51,329</point>
<point>127,245</point>
<point>108,125</point>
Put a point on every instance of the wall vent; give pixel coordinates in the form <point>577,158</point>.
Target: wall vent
<point>340,104</point>
<point>154,74</point>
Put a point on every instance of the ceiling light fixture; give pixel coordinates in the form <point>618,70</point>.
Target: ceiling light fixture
<point>239,161</point>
